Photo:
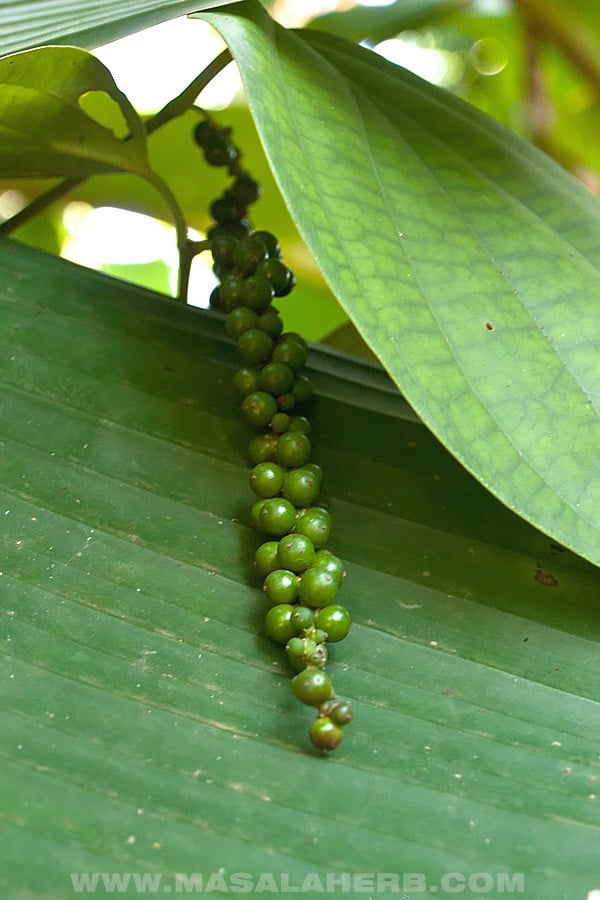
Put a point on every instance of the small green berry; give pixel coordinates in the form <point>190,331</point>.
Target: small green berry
<point>265,558</point>
<point>262,448</point>
<point>245,190</point>
<point>315,522</point>
<point>318,587</point>
<point>302,388</point>
<point>271,322</point>
<point>300,486</point>
<point>335,621</point>
<point>325,734</point>
<point>258,408</point>
<point>240,320</point>
<point>312,686</point>
<point>248,253</point>
<point>266,479</point>
<point>277,517</point>
<point>254,346</point>
<point>293,449</point>
<point>279,275</point>
<point>280,422</point>
<point>325,559</point>
<point>301,423</point>
<point>303,618</point>
<point>287,401</point>
<point>270,242</point>
<point>246,380</point>
<point>281,586</point>
<point>291,352</point>
<point>296,552</point>
<point>256,292</point>
<point>278,623</point>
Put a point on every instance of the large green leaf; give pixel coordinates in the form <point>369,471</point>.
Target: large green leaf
<point>148,727</point>
<point>467,259</point>
<point>30,23</point>
<point>47,126</point>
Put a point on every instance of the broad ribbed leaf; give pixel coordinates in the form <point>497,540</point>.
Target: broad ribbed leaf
<point>148,726</point>
<point>86,23</point>
<point>467,259</point>
<point>47,126</point>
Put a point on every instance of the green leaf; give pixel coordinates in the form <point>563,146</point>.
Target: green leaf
<point>28,24</point>
<point>467,259</point>
<point>380,22</point>
<point>147,724</point>
<point>51,123</point>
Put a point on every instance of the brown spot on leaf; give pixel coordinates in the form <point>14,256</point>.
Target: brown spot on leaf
<point>545,578</point>
<point>489,326</point>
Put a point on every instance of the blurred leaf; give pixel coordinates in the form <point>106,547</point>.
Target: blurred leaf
<point>46,128</point>
<point>380,22</point>
<point>149,727</point>
<point>29,24</point>
<point>465,257</point>
<point>347,339</point>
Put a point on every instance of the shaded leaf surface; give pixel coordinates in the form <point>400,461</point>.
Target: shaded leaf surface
<point>148,726</point>
<point>466,258</point>
<point>46,128</point>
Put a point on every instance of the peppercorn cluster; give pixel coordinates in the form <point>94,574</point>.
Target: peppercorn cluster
<point>301,577</point>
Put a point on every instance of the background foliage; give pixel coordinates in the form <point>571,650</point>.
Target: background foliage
<point>148,725</point>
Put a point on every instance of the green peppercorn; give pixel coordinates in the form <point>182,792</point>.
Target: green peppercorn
<point>256,292</point>
<point>334,620</point>
<point>239,320</point>
<point>270,242</point>
<point>281,586</point>
<point>258,408</point>
<point>263,448</point>
<point>278,274</point>
<point>300,486</point>
<point>312,686</point>
<point>325,559</point>
<point>315,523</point>
<point>276,378</point>
<point>293,448</point>
<point>265,558</point>
<point>290,352</point>
<point>278,623</point>
<point>271,322</point>
<point>302,388</point>
<point>277,517</point>
<point>266,479</point>
<point>325,734</point>
<point>318,587</point>
<point>280,422</point>
<point>296,552</point>
<point>254,346</point>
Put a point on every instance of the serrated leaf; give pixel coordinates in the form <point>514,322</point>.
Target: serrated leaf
<point>466,258</point>
<point>24,25</point>
<point>47,126</point>
<point>147,725</point>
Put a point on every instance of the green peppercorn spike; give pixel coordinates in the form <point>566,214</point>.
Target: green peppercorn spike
<point>300,577</point>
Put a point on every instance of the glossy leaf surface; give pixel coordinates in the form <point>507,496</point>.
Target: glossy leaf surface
<point>31,23</point>
<point>467,259</point>
<point>147,725</point>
